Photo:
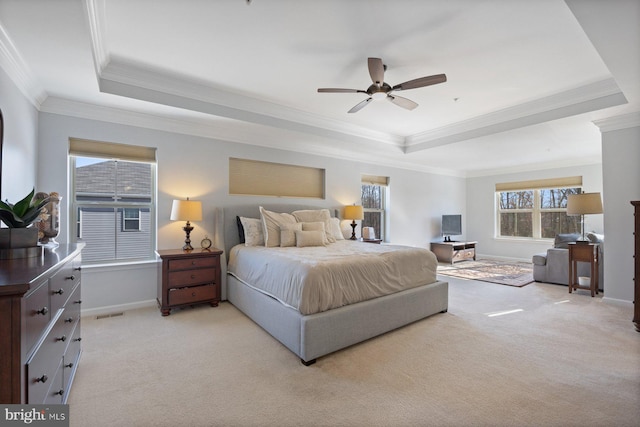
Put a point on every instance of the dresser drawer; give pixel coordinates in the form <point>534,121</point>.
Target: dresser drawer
<point>189,263</point>
<point>71,313</point>
<point>41,367</point>
<point>56,392</point>
<point>192,277</point>
<point>192,294</point>
<point>37,313</point>
<point>62,283</point>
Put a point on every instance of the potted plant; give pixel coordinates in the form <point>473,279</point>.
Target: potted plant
<point>18,218</point>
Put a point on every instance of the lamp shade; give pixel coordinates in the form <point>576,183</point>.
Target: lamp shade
<point>186,210</point>
<point>584,204</point>
<point>353,212</point>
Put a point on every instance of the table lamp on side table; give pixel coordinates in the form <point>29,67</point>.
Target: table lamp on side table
<point>353,213</point>
<point>186,210</point>
<point>584,204</point>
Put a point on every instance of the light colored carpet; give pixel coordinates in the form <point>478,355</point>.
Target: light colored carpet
<point>493,271</point>
<point>563,360</point>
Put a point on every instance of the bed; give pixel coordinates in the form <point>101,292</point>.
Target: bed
<point>314,329</point>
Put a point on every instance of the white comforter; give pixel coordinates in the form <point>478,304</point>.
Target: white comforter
<point>315,279</point>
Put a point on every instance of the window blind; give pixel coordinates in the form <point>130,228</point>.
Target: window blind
<point>110,150</point>
<point>570,181</point>
<point>375,180</point>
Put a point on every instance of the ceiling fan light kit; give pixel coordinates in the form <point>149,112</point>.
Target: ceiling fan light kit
<point>381,90</point>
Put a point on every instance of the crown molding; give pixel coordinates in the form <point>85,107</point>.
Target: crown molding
<point>18,71</point>
<point>624,121</point>
<point>591,97</point>
<point>95,11</point>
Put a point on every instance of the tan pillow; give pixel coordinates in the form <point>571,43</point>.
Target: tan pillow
<point>288,234</point>
<point>317,215</point>
<point>309,238</point>
<point>253,234</point>
<point>315,226</point>
<point>271,222</point>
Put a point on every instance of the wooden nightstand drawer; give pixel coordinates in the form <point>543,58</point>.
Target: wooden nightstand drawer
<point>192,294</point>
<point>192,277</point>
<point>184,264</point>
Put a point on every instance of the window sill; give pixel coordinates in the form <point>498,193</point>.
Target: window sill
<point>130,265</point>
<point>526,240</point>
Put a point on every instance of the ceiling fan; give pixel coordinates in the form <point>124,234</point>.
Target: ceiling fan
<point>379,89</point>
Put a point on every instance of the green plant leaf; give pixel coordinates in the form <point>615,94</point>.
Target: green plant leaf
<point>21,207</point>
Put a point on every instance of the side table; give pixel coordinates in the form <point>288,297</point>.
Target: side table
<point>583,252</point>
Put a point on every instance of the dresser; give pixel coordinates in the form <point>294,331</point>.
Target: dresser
<point>188,278</point>
<point>636,269</point>
<point>40,326</point>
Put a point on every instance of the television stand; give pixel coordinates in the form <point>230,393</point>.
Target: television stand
<point>451,252</point>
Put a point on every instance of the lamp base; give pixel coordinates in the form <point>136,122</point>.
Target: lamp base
<point>187,241</point>
<point>353,233</point>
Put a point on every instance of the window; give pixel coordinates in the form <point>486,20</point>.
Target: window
<point>113,203</point>
<point>374,203</point>
<point>537,213</point>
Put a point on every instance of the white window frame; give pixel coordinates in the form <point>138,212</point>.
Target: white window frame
<point>536,212</point>
<point>383,183</point>
<point>125,220</point>
<point>75,216</point>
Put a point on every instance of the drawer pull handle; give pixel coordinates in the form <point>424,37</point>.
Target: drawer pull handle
<point>193,294</point>
<point>43,379</point>
<point>72,277</point>
<point>193,276</point>
<point>193,262</point>
<point>78,339</point>
<point>62,338</point>
<point>69,320</point>
<point>78,301</point>
<point>59,291</point>
<point>60,392</point>
<point>43,311</point>
<point>77,269</point>
<point>69,365</point>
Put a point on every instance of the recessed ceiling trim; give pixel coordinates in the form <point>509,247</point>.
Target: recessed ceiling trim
<point>624,121</point>
<point>140,81</point>
<point>16,67</point>
<point>587,98</point>
<point>95,10</point>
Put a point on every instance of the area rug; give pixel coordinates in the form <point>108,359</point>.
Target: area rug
<point>502,272</point>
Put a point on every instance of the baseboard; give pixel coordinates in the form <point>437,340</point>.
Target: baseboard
<point>110,309</point>
<point>619,302</point>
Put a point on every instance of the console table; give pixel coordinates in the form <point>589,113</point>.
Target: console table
<point>451,252</point>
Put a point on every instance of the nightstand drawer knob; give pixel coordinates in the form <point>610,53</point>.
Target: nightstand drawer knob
<point>42,379</point>
<point>193,294</point>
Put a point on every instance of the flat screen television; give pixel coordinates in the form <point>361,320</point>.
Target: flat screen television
<point>451,225</point>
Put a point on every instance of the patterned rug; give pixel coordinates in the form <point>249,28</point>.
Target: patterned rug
<point>501,272</point>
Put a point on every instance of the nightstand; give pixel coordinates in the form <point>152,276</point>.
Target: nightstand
<point>583,252</point>
<point>188,278</point>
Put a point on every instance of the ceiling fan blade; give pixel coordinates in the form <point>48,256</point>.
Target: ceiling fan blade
<point>421,82</point>
<point>402,102</point>
<point>337,90</point>
<point>376,70</point>
<point>360,105</point>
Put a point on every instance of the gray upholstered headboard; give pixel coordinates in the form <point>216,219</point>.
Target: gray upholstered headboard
<point>230,228</point>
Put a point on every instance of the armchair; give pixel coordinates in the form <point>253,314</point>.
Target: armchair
<point>553,265</point>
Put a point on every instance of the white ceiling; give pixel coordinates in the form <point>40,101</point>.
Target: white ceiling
<point>524,82</point>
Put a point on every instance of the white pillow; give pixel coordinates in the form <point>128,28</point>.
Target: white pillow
<point>336,231</point>
<point>288,234</point>
<point>317,215</point>
<point>253,235</point>
<point>309,238</point>
<point>271,222</point>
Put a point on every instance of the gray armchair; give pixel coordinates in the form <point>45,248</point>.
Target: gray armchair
<point>553,265</point>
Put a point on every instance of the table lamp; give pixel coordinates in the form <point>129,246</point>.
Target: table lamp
<point>186,210</point>
<point>353,213</point>
<point>584,204</point>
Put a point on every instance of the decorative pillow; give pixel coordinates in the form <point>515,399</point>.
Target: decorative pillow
<point>319,215</point>
<point>597,238</point>
<point>240,230</point>
<point>288,234</point>
<point>253,235</point>
<point>271,222</point>
<point>315,226</point>
<point>336,230</point>
<point>309,238</point>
